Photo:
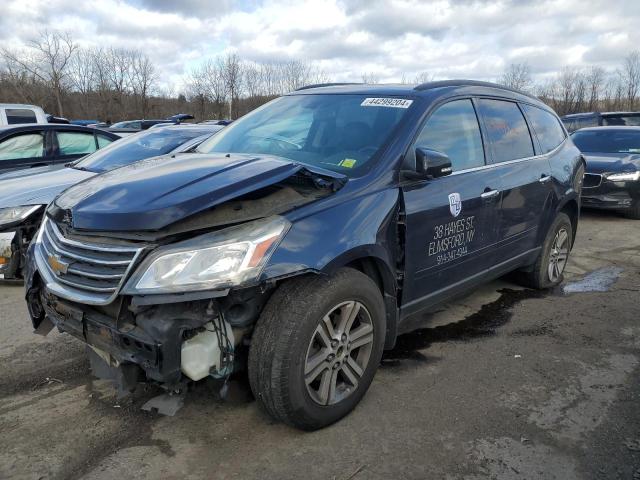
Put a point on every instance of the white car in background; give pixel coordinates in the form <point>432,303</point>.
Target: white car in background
<point>16,113</point>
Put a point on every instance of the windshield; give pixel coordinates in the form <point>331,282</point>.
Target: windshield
<point>136,147</point>
<point>337,132</point>
<point>607,141</point>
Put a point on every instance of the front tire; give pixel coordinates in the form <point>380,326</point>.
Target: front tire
<point>548,270</point>
<point>316,348</point>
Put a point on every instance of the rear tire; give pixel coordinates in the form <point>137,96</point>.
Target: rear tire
<point>316,348</point>
<point>634,211</point>
<point>555,251</point>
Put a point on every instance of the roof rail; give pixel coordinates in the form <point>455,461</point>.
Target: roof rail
<point>475,83</point>
<point>333,84</point>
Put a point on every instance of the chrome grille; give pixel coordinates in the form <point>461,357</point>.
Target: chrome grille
<point>592,180</point>
<point>87,272</point>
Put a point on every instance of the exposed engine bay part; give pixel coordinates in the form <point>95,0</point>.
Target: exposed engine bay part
<point>208,352</point>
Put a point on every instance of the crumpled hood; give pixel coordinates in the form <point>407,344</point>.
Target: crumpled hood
<point>40,188</point>
<point>154,193</point>
<point>612,162</point>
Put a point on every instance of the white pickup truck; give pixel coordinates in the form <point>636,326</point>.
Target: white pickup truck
<point>15,113</point>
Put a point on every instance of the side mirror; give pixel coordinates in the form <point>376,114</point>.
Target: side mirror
<point>431,164</point>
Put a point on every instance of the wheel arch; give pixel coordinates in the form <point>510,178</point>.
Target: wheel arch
<point>571,208</point>
<point>376,265</point>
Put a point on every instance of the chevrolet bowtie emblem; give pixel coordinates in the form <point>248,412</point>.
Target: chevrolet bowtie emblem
<point>57,265</point>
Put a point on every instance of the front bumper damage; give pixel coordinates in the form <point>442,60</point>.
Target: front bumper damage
<point>9,258</point>
<point>132,342</point>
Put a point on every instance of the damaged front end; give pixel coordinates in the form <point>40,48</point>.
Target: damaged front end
<point>169,306</point>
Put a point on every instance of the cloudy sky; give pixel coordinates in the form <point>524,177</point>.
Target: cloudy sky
<point>346,38</point>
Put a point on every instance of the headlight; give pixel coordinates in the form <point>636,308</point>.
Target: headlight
<point>220,259</point>
<point>624,177</point>
<point>16,214</point>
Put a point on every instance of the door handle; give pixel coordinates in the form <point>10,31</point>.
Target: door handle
<point>490,194</point>
<point>545,178</point>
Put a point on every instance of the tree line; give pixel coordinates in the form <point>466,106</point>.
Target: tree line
<point>112,84</point>
<point>587,89</point>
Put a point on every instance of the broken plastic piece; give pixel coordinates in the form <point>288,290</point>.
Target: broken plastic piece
<point>166,404</point>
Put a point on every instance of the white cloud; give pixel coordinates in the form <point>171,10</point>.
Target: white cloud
<point>390,38</point>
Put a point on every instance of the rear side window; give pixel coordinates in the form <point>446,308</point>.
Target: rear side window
<point>76,143</point>
<point>25,145</point>
<point>453,129</point>
<point>506,130</point>
<point>546,127</point>
<point>20,115</point>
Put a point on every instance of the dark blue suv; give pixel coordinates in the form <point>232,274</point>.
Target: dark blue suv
<point>301,240</point>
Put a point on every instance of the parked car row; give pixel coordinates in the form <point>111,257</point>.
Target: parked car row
<point>24,195</point>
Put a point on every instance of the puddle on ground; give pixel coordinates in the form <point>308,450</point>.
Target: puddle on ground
<point>483,323</point>
<point>600,280</point>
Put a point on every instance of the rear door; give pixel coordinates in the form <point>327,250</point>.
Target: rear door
<point>450,221</point>
<point>525,176</point>
<point>23,150</point>
<point>72,144</point>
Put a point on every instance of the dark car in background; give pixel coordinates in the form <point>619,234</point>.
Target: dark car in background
<point>137,124</point>
<point>47,145</point>
<point>612,178</point>
<point>577,121</point>
<point>23,198</point>
<point>304,237</point>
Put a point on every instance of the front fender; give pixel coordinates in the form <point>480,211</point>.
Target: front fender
<point>363,226</point>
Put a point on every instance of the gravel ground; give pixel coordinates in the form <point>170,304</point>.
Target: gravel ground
<point>507,383</point>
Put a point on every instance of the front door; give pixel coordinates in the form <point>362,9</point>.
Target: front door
<point>451,221</point>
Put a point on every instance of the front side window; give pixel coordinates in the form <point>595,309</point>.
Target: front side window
<point>76,143</point>
<point>453,129</point>
<point>20,115</point>
<point>338,132</point>
<point>546,127</point>
<point>605,140</point>
<point>506,130</point>
<point>25,145</point>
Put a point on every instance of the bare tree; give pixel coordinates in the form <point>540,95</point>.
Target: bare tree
<point>231,68</point>
<point>371,78</point>
<point>595,83</point>
<point>46,59</point>
<point>518,76</point>
<point>142,80</point>
<point>630,77</point>
<point>423,77</point>
<point>82,75</point>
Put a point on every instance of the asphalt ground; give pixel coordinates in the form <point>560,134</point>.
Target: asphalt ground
<point>506,383</point>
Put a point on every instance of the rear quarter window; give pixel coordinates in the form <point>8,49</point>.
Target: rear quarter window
<point>506,130</point>
<point>546,127</point>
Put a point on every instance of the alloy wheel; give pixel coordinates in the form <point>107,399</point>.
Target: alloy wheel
<point>338,353</point>
<point>559,255</point>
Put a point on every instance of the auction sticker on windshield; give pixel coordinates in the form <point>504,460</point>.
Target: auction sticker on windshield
<point>386,102</point>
